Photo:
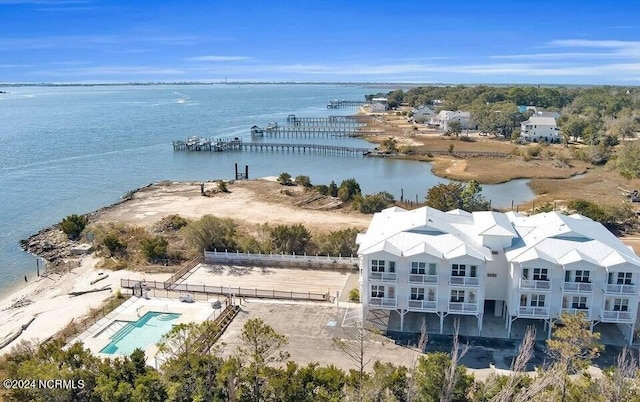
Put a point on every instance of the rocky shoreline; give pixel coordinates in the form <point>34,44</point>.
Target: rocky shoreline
<point>52,245</point>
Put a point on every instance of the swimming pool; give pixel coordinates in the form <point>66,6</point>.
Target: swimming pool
<point>149,329</point>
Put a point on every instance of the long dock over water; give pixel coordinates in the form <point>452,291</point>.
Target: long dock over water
<point>294,120</point>
<point>311,131</point>
<point>341,104</point>
<point>235,144</point>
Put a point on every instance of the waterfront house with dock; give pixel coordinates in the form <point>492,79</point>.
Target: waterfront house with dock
<point>505,266</point>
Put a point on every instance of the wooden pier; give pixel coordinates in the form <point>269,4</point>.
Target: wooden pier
<point>303,148</point>
<point>342,104</point>
<point>293,120</point>
<point>313,131</point>
<point>208,145</point>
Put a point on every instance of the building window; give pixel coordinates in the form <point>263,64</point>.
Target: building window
<point>624,278</point>
<point>621,305</point>
<point>377,291</point>
<point>579,302</point>
<point>473,271</point>
<point>523,300</point>
<point>537,300</point>
<point>457,296</point>
<point>580,276</point>
<point>540,274</point>
<point>418,268</point>
<point>377,265</point>
<point>392,266</point>
<point>417,293</point>
<point>525,273</point>
<point>432,269</point>
<point>431,295</point>
<point>458,270</point>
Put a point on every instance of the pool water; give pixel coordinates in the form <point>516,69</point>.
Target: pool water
<point>149,329</point>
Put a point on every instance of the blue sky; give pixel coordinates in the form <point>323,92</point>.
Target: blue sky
<point>366,41</point>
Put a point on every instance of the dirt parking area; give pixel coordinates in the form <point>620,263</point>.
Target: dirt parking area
<point>310,328</point>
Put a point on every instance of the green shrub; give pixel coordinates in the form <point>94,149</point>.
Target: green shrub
<point>222,186</point>
<point>177,222</point>
<point>322,189</point>
<point>372,203</point>
<point>113,244</point>
<point>534,151</point>
<point>73,225</point>
<point>285,179</point>
<point>154,248</point>
<point>303,181</point>
<point>290,239</point>
<point>210,232</point>
<point>354,295</point>
<point>348,189</point>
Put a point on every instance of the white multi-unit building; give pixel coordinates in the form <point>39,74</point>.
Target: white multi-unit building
<point>540,128</point>
<point>445,117</point>
<point>504,264</point>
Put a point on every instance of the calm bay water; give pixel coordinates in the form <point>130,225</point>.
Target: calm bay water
<point>75,149</point>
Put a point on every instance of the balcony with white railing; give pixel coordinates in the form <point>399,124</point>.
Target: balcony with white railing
<point>464,281</point>
<point>613,289</point>
<point>533,312</point>
<point>616,316</point>
<point>574,311</point>
<point>463,308</point>
<point>421,279</point>
<point>383,302</point>
<point>577,287</point>
<point>423,305</point>
<point>383,276</point>
<point>530,284</point>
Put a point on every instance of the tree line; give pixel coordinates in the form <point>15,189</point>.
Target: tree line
<point>260,369</point>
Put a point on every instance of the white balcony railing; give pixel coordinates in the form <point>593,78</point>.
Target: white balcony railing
<point>383,302</point>
<point>418,278</point>
<point>533,312</point>
<point>621,289</point>
<point>463,308</point>
<point>617,316</point>
<point>577,287</point>
<point>574,311</point>
<point>423,305</point>
<point>383,276</point>
<point>529,284</point>
<point>464,281</point>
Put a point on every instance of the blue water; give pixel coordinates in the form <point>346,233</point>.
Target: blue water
<point>67,150</point>
<point>149,329</point>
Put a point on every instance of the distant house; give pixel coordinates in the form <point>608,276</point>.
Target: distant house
<point>544,113</point>
<point>423,113</point>
<point>378,105</point>
<point>445,117</point>
<point>540,129</point>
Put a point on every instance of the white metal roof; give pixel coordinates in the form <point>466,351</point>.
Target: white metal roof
<point>551,236</point>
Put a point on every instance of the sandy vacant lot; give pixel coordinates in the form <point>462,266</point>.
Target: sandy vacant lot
<point>255,201</point>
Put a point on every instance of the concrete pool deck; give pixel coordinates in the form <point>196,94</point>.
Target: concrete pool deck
<point>96,337</point>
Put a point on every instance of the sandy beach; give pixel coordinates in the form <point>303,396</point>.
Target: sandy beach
<point>47,302</point>
<point>44,303</point>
